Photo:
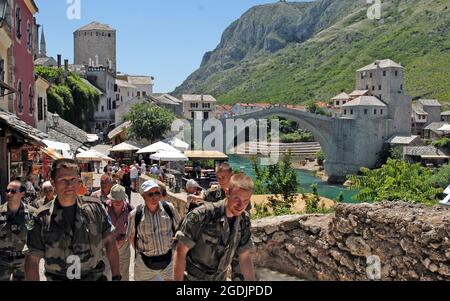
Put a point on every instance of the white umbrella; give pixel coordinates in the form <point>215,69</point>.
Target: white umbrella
<point>177,143</point>
<point>158,146</point>
<point>169,156</point>
<point>123,147</point>
<point>93,155</point>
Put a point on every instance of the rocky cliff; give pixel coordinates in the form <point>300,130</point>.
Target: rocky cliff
<point>293,51</point>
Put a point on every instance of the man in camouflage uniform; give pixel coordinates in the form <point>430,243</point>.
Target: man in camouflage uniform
<point>16,219</point>
<point>70,233</point>
<point>211,235</point>
<point>218,193</point>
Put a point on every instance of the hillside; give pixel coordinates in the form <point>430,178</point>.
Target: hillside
<point>294,52</point>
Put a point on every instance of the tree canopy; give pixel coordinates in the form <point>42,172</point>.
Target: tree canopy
<point>148,121</point>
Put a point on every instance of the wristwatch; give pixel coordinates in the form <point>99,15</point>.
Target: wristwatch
<point>116,278</point>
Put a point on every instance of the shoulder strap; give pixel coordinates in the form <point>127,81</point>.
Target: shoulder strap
<point>137,221</point>
<point>170,213</point>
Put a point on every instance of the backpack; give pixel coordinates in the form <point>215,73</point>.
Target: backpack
<point>138,217</point>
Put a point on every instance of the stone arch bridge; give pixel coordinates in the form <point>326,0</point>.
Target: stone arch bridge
<point>348,144</point>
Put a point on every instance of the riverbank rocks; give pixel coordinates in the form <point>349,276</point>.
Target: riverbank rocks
<point>387,241</point>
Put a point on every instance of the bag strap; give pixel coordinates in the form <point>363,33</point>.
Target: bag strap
<point>170,213</point>
<point>137,221</point>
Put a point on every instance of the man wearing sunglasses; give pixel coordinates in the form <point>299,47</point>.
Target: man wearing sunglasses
<point>151,229</point>
<point>16,219</point>
<point>70,233</point>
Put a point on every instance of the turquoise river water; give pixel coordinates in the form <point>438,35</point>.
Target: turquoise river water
<point>305,179</point>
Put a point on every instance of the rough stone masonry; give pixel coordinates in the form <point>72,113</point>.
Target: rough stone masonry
<point>412,242</point>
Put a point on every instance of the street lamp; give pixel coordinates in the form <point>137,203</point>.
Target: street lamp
<point>55,118</point>
<point>3,8</point>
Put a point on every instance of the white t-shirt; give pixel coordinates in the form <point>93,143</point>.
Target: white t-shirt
<point>134,173</point>
<point>143,168</point>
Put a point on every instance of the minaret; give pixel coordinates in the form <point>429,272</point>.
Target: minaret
<point>43,45</point>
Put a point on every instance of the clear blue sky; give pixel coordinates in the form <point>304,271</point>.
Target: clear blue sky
<point>162,38</point>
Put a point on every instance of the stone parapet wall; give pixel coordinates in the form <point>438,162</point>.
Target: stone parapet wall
<point>387,241</point>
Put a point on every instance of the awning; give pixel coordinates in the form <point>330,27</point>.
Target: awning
<point>206,155</point>
<point>92,137</point>
<point>52,153</point>
<point>445,128</point>
<point>118,130</point>
<point>434,157</point>
<point>57,145</point>
<point>5,86</point>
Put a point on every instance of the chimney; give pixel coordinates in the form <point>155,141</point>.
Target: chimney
<point>59,61</point>
<point>66,66</point>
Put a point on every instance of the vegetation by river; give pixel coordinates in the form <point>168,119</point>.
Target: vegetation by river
<point>305,179</point>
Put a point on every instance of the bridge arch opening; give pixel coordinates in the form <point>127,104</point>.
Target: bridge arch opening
<point>303,120</point>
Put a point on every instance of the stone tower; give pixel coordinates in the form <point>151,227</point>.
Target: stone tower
<point>384,79</point>
<point>43,45</point>
<point>95,45</point>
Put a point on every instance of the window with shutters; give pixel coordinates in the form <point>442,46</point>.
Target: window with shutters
<point>2,69</point>
<point>19,97</point>
<point>18,23</point>
<point>30,100</point>
<point>40,109</point>
<point>29,36</point>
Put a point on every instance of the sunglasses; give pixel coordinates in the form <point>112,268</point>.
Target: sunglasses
<point>151,194</point>
<point>12,191</point>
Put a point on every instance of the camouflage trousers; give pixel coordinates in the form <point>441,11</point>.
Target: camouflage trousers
<point>236,274</point>
<point>12,267</point>
<point>192,273</point>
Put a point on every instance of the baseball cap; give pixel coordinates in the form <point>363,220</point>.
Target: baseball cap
<point>149,185</point>
<point>117,193</point>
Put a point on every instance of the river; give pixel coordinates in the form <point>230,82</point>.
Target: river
<point>305,179</point>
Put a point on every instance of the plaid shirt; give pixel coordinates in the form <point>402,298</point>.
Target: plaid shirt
<point>155,235</point>
<point>119,222</point>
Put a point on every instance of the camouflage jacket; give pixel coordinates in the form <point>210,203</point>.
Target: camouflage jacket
<point>212,242</point>
<point>54,239</point>
<point>14,228</point>
<point>214,194</point>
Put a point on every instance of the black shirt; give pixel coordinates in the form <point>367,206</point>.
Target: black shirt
<point>70,214</point>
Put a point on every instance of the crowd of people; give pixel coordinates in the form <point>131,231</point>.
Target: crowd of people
<point>91,238</point>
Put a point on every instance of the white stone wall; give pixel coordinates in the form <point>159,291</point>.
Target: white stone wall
<point>148,89</point>
<point>187,110</point>
<point>124,108</point>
